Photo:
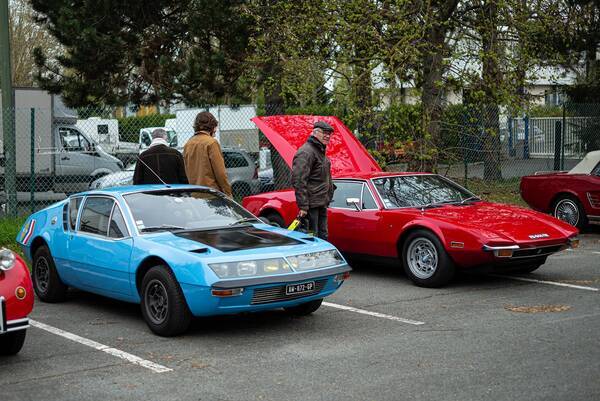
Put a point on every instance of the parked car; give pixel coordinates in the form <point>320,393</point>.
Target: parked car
<point>179,251</point>
<point>241,171</point>
<point>16,298</point>
<point>425,222</point>
<point>571,196</point>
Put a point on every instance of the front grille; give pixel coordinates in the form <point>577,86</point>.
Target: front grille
<point>277,293</point>
<point>594,199</point>
<point>534,252</point>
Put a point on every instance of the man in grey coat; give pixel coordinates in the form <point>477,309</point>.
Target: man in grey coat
<point>311,179</point>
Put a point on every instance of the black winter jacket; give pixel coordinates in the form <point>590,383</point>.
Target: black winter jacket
<point>311,175</point>
<point>164,161</point>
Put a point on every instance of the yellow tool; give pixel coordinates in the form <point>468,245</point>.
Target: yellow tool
<point>294,224</point>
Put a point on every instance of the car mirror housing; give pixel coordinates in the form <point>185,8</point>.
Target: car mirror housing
<point>354,202</point>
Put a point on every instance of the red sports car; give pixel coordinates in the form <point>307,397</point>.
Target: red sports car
<point>16,302</point>
<point>426,222</point>
<point>572,196</point>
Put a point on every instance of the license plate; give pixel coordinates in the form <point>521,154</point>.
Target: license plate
<point>2,315</point>
<point>299,288</point>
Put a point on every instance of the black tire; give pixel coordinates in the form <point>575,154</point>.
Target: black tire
<point>426,272</point>
<point>11,343</point>
<point>46,283</point>
<point>163,305</point>
<point>304,309</point>
<point>275,219</point>
<point>568,209</point>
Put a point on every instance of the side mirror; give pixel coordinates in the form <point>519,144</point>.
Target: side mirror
<point>354,202</point>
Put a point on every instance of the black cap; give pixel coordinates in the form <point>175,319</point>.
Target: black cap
<point>323,125</point>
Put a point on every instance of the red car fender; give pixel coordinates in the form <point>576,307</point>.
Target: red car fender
<point>16,277</point>
<point>423,224</point>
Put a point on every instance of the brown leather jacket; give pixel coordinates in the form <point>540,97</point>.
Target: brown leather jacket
<point>204,164</point>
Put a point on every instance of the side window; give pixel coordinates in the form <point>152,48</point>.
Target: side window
<point>234,159</point>
<point>117,228</point>
<point>596,170</point>
<point>102,131</point>
<point>95,215</point>
<point>65,216</point>
<point>74,204</point>
<point>367,199</point>
<point>69,139</point>
<point>344,190</point>
<point>146,140</point>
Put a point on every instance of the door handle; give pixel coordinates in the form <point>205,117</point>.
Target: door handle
<point>65,158</point>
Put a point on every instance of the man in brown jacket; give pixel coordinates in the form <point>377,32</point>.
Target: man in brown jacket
<point>204,164</point>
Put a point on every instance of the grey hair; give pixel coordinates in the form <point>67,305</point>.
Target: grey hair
<point>159,133</point>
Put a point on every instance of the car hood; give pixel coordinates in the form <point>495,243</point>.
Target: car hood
<point>503,222</point>
<point>288,133</point>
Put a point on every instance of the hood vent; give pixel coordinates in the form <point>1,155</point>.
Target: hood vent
<point>200,250</point>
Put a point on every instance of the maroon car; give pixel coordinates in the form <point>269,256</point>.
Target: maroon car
<point>572,196</point>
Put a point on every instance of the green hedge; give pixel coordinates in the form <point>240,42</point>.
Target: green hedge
<point>129,127</point>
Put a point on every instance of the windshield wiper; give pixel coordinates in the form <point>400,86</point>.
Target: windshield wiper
<point>470,198</point>
<point>162,227</point>
<point>244,220</point>
<point>435,204</point>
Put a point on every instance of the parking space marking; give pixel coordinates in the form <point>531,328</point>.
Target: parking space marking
<point>101,347</point>
<point>375,314</point>
<point>531,280</point>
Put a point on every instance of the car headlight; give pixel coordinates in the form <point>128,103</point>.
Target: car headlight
<point>315,260</point>
<point>247,268</point>
<point>7,259</point>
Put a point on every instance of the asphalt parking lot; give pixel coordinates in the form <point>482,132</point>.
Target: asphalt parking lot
<point>378,338</point>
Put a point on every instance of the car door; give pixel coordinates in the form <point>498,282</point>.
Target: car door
<point>354,218</point>
<point>75,161</point>
<point>100,248</point>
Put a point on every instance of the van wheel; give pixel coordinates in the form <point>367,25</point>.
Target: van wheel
<point>46,282</point>
<point>275,219</point>
<point>163,304</point>
<point>425,260</point>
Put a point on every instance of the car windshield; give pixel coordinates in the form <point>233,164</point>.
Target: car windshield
<point>185,209</point>
<point>419,190</point>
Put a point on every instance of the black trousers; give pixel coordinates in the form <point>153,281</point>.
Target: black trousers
<point>317,221</point>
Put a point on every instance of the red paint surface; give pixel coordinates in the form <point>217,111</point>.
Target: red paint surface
<point>18,276</point>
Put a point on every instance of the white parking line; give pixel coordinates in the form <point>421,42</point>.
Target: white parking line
<point>101,347</point>
<point>375,314</point>
<point>531,280</point>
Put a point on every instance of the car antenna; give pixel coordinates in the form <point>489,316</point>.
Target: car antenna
<point>153,172</point>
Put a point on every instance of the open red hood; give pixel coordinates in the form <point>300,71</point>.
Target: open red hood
<point>288,133</point>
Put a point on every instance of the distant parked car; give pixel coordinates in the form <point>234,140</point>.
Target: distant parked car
<point>241,171</point>
<point>572,196</point>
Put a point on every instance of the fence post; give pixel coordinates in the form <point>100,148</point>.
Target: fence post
<point>526,138</point>
<point>563,134</point>
<point>511,149</point>
<point>32,169</point>
<point>557,144</point>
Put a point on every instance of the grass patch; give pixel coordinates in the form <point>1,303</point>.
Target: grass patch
<point>9,228</point>
<point>497,191</point>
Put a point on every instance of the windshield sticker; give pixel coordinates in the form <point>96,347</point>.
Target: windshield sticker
<point>140,224</point>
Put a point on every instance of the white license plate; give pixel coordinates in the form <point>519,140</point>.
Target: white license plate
<point>301,288</point>
<point>2,315</point>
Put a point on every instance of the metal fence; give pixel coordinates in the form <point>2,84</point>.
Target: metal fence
<point>60,151</point>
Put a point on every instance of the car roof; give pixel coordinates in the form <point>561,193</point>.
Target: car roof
<point>379,174</point>
<point>139,188</point>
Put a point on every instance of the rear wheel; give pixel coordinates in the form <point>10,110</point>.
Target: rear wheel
<point>425,260</point>
<point>304,309</point>
<point>163,305</point>
<point>11,343</point>
<point>568,209</point>
<point>46,283</point>
<point>275,219</point>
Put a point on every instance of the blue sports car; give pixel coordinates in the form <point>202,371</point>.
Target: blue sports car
<point>179,251</point>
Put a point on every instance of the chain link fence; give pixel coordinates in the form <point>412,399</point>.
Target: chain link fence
<point>60,151</point>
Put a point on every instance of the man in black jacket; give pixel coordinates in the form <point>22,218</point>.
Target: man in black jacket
<point>159,159</point>
<point>311,179</point>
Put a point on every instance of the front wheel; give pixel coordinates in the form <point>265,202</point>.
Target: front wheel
<point>569,209</point>
<point>11,343</point>
<point>275,219</point>
<point>304,309</point>
<point>163,305</point>
<point>425,260</point>
<point>46,283</point>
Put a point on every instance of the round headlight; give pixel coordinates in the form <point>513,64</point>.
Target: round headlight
<point>7,259</point>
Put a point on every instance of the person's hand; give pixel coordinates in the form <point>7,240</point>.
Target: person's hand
<point>302,213</point>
